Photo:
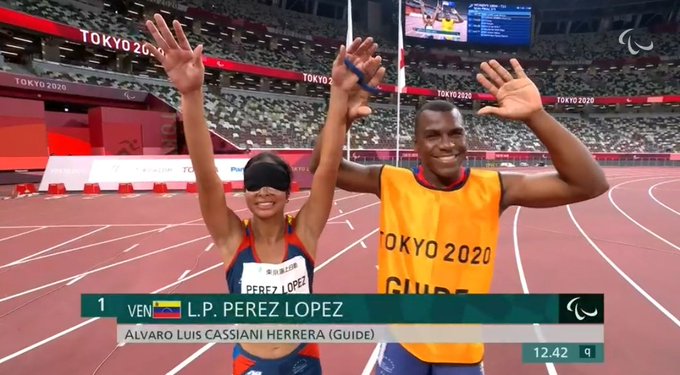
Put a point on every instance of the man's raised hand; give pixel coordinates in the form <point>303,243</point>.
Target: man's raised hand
<point>183,65</point>
<point>518,98</point>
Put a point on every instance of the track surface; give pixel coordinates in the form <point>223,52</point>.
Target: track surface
<point>625,244</point>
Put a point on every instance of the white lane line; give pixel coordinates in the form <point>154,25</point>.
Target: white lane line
<point>115,239</point>
<point>651,194</point>
<point>525,287</point>
<point>101,269</point>
<point>611,200</point>
<point>372,359</point>
<point>186,272</point>
<point>349,224</point>
<point>21,234</point>
<point>190,359</point>
<point>73,281</point>
<point>143,224</point>
<point>130,248</point>
<point>53,247</point>
<point>616,268</point>
<point>89,321</point>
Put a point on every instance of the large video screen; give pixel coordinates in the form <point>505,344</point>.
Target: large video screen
<point>467,22</point>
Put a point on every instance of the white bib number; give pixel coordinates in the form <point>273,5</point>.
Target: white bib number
<point>289,277</point>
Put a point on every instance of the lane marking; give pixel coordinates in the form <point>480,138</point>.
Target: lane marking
<point>87,322</point>
<point>363,244</point>
<point>52,248</point>
<point>145,255</point>
<point>372,359</point>
<point>115,239</point>
<point>190,359</point>
<point>130,248</point>
<point>525,287</point>
<point>186,223</point>
<point>651,194</point>
<point>75,280</point>
<point>349,224</point>
<point>53,197</point>
<point>609,195</point>
<point>623,274</point>
<point>92,320</point>
<point>21,234</point>
<point>339,253</point>
<point>186,272</point>
<point>103,268</point>
<point>210,246</point>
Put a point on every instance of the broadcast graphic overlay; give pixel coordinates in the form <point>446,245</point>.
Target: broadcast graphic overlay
<point>467,22</point>
<point>550,327</point>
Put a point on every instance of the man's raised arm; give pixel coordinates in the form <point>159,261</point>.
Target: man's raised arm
<point>577,177</point>
<point>352,176</point>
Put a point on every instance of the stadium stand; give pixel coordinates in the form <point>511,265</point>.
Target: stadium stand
<point>427,73</point>
<point>267,120</point>
<point>251,117</point>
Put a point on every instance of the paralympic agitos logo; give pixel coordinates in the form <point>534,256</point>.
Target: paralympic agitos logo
<point>631,49</point>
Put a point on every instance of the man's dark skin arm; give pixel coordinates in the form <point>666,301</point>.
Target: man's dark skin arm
<point>578,176</point>
<point>352,176</point>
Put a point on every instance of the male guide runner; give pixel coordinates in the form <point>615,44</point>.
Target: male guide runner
<point>439,223</point>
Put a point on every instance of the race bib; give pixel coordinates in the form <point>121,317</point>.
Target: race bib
<point>289,277</point>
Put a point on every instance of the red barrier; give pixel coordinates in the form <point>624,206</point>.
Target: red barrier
<point>56,189</point>
<point>92,188</point>
<point>125,188</point>
<point>24,189</point>
<point>160,188</point>
<point>192,187</point>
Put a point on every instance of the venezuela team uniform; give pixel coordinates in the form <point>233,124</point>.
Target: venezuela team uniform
<point>248,275</point>
<point>437,241</point>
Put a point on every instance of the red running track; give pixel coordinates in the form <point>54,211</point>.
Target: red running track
<point>143,244</point>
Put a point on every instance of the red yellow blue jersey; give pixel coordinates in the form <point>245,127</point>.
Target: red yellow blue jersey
<point>438,241</point>
<point>249,275</point>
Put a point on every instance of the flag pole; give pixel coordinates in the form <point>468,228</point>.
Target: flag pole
<point>400,79</point>
<point>398,121</point>
<point>348,41</point>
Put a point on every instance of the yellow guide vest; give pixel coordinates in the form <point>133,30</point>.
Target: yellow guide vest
<point>447,25</point>
<point>438,241</point>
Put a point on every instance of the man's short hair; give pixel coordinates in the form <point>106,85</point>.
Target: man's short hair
<point>436,106</point>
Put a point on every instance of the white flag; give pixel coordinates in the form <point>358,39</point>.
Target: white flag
<point>401,79</point>
<point>349,24</point>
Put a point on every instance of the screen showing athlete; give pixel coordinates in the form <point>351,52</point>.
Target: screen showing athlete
<point>451,213</point>
<point>286,246</point>
<point>435,19</point>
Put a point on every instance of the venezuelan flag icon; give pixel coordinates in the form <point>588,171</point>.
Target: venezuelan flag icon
<point>167,310</point>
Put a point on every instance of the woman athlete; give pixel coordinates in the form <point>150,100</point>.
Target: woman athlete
<point>271,251</point>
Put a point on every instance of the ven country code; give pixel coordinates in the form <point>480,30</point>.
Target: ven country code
<point>244,309</point>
